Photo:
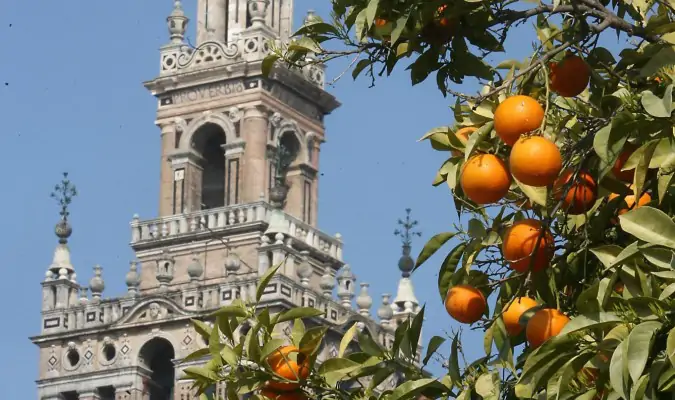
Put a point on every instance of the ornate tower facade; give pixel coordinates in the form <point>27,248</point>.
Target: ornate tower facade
<point>239,163</point>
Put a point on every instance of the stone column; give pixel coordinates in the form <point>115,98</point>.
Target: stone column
<point>168,140</point>
<point>211,23</point>
<point>187,179</point>
<point>234,167</point>
<point>255,131</point>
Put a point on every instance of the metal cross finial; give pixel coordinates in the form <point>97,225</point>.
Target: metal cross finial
<point>64,193</point>
<point>406,233</point>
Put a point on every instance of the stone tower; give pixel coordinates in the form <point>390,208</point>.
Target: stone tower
<point>238,166</point>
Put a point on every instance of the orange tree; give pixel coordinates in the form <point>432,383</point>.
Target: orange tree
<point>561,170</point>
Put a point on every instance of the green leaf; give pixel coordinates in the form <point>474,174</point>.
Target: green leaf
<point>536,194</point>
<point>311,340</point>
<point>434,344</point>
<point>410,389</point>
<point>202,329</point>
<point>649,224</point>
<point>415,331</point>
<point>214,344</point>
<point>298,332</point>
<point>639,388</point>
<point>432,246</point>
<point>297,312</point>
<point>230,311</point>
<point>656,107</point>
<point>264,280</point>
<point>487,385</point>
<point>664,57</point>
<point>640,342</point>
<point>618,370</point>
<point>399,27</point>
<point>229,356</point>
<point>368,345</point>
<point>305,44</point>
<point>270,347</point>
<point>371,11</point>
<point>477,138</point>
<point>643,167</point>
<point>360,66</point>
<point>581,322</point>
<point>670,346</point>
<point>666,380</point>
<point>606,253</point>
<point>268,64</point>
<point>201,372</point>
<point>453,362</point>
<point>199,354</point>
<point>347,339</point>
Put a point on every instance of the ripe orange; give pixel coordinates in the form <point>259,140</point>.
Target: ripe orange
<point>545,324</point>
<point>630,201</point>
<point>535,161</point>
<point>485,179</point>
<point>463,135</point>
<point>618,288</point>
<point>465,303</point>
<point>514,311</point>
<point>271,394</point>
<point>380,22</point>
<point>519,244</point>
<point>626,176</point>
<point>290,364</point>
<point>570,76</point>
<point>517,115</point>
<point>580,196</point>
<point>441,19</point>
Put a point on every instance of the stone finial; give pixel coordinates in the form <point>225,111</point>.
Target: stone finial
<point>311,18</point>
<point>304,270</point>
<point>84,297</point>
<point>132,279</point>
<point>232,263</point>
<point>195,269</point>
<point>364,301</point>
<point>96,283</point>
<point>327,283</point>
<point>257,10</point>
<point>177,23</point>
<point>345,280</point>
<point>63,193</point>
<point>385,313</point>
<point>165,266</point>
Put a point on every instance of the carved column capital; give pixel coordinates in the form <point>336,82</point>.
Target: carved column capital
<point>257,111</point>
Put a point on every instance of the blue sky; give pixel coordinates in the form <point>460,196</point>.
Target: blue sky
<point>71,100</point>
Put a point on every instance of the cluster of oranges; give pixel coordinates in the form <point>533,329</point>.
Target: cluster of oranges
<point>440,30</point>
<point>534,161</point>
<point>292,365</point>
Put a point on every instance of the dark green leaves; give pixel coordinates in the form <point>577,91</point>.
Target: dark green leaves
<point>297,312</point>
<point>264,280</point>
<point>432,246</point>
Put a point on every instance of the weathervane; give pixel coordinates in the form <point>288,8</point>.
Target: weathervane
<point>64,193</point>
<point>406,233</point>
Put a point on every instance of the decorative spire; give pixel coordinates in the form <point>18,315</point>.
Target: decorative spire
<point>345,290</point>
<point>385,313</point>
<point>257,9</point>
<point>61,266</point>
<point>132,279</point>
<point>195,269</point>
<point>364,301</point>
<point>406,233</point>
<point>405,302</point>
<point>177,23</point>
<point>96,284</point>
<point>164,275</point>
<point>327,283</point>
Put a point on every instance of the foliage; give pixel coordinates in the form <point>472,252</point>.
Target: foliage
<point>612,266</point>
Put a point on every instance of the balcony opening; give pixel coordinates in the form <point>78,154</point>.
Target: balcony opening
<point>157,356</point>
<point>208,142</point>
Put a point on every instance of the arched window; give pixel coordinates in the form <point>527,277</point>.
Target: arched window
<point>208,142</point>
<point>157,356</point>
<point>289,148</point>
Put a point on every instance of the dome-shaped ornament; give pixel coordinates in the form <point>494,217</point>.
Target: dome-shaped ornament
<point>195,268</point>
<point>364,301</point>
<point>63,230</point>
<point>232,263</point>
<point>385,313</point>
<point>96,284</point>
<point>406,264</point>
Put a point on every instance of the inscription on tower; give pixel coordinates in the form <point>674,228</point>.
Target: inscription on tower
<point>211,91</point>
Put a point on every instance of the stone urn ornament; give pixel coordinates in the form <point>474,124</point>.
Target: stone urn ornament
<point>257,10</point>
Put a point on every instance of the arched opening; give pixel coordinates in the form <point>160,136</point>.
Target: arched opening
<point>289,148</point>
<point>157,356</point>
<point>208,141</point>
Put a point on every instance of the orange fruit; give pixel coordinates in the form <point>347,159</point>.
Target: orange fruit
<point>517,115</point>
<point>465,303</point>
<point>519,243</point>
<point>514,311</point>
<point>485,179</point>
<point>380,22</point>
<point>290,364</point>
<point>545,324</point>
<point>535,161</point>
<point>271,394</point>
<point>442,20</point>
<point>580,196</point>
<point>570,76</point>
<point>463,135</point>
<point>626,176</point>
<point>630,201</point>
<point>618,287</point>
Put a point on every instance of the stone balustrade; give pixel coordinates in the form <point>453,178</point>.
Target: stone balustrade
<point>189,302</point>
<point>217,219</point>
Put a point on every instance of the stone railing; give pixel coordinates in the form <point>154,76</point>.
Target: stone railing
<point>217,219</point>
